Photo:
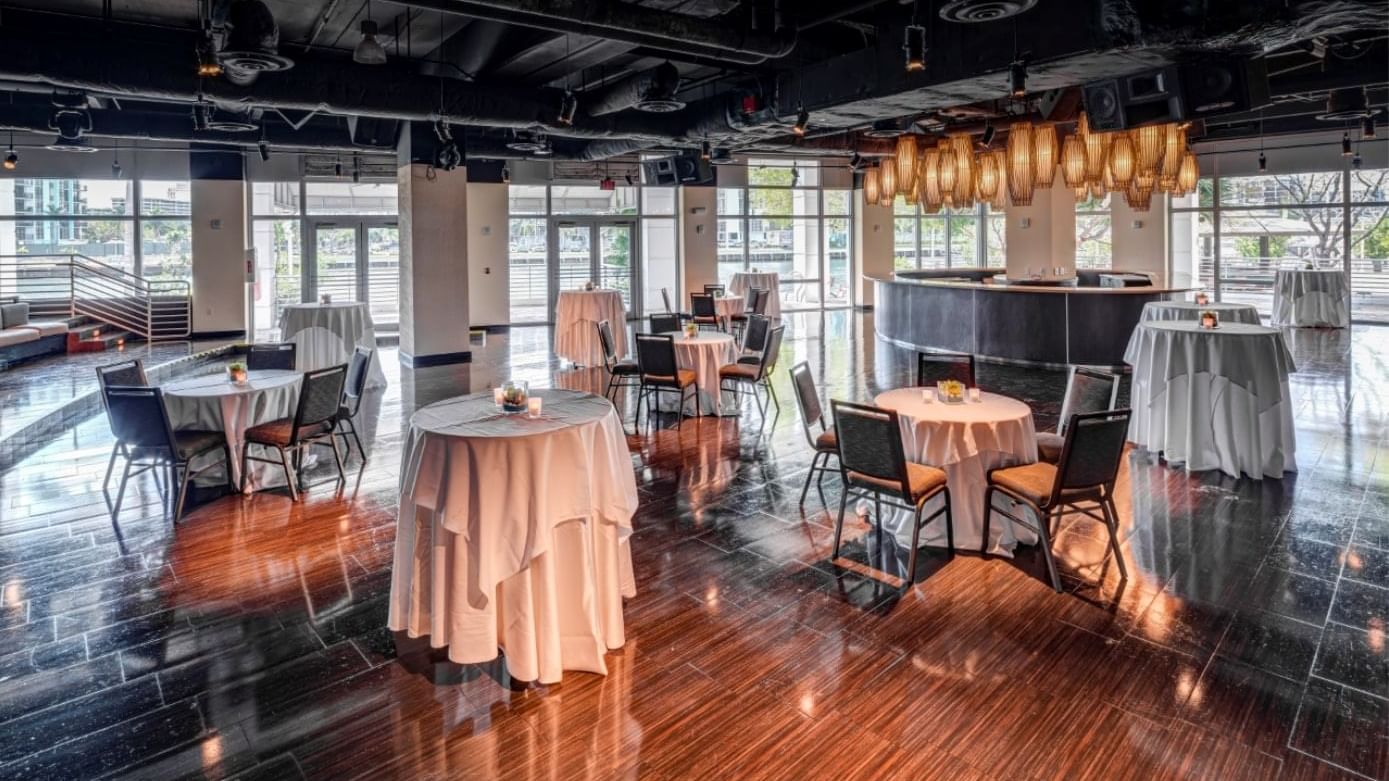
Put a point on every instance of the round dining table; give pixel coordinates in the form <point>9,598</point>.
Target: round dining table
<point>1190,310</point>
<point>212,402</point>
<point>703,354</point>
<point>577,314</point>
<point>326,335</point>
<point>966,439</point>
<point>743,282</point>
<point>728,306</point>
<point>1310,298</point>
<point>514,533</point>
<point>1213,398</point>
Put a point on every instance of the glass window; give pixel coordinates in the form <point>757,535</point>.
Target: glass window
<point>273,199</point>
<point>65,197</point>
<point>660,266</point>
<point>1094,242</point>
<point>996,240</point>
<point>165,198</point>
<point>1271,190</point>
<point>529,286</point>
<point>108,241</point>
<point>575,199</point>
<point>526,199</point>
<point>838,202</point>
<point>837,251</point>
<point>948,239</point>
<point>166,249</point>
<point>730,200</point>
<point>658,201</point>
<point>904,243</point>
<point>279,277</point>
<point>783,173</point>
<point>361,198</point>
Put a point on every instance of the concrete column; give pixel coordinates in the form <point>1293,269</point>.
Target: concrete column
<point>698,238</point>
<point>489,275</point>
<point>1043,235</point>
<point>219,255</point>
<point>1140,238</point>
<point>872,246</point>
<point>433,265</point>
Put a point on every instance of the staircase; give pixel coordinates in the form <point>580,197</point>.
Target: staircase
<point>102,303</point>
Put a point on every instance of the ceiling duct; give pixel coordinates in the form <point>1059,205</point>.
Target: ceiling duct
<point>246,39</point>
<point>974,11</point>
<point>651,90</point>
<point>1344,105</point>
<point>231,121</point>
<point>890,128</point>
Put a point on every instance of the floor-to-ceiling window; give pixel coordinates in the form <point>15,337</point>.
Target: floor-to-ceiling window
<point>949,238</point>
<point>785,220</point>
<point>1235,232</point>
<point>1094,245</point>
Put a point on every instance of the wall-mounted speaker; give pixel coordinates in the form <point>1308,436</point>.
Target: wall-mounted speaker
<point>685,168</point>
<point>1128,101</point>
<point>1217,87</point>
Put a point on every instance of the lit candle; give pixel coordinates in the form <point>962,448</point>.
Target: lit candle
<point>497,396</point>
<point>533,405</point>
<point>974,394</point>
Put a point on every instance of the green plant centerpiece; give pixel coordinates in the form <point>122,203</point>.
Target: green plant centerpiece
<point>514,396</point>
<point>236,372</point>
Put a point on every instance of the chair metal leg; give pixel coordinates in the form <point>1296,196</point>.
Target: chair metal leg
<point>290,476</point>
<point>362,451</point>
<point>337,457</point>
<point>120,493</point>
<point>117,449</point>
<point>182,490</point>
<point>839,522</point>
<point>1045,534</point>
<point>1112,523</point>
<point>988,513</point>
<point>949,524</point>
<point>805,489</point>
<point>231,479</point>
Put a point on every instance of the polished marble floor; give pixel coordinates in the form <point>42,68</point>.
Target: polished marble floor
<point>249,642</point>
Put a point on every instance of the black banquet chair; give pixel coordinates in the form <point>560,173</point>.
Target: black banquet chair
<point>314,421</point>
<point>754,339</point>
<point>932,368</point>
<point>703,312</point>
<point>748,377</point>
<point>1082,481</point>
<point>621,373</point>
<point>276,355</point>
<point>874,466</point>
<point>660,373</point>
<point>141,423</point>
<point>130,374</point>
<point>1087,390</point>
<point>821,437</point>
<point>352,391</point>
<point>665,324</point>
<point>714,290</point>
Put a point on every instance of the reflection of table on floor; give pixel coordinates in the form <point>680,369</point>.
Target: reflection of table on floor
<point>1213,399</point>
<point>326,334</point>
<point>744,281</point>
<point>514,533</point>
<point>966,440</point>
<point>214,403</point>
<point>1310,297</point>
<point>703,354</point>
<point>1190,310</point>
<point>577,315</point>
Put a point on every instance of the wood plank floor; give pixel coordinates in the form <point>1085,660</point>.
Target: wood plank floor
<point>249,642</point>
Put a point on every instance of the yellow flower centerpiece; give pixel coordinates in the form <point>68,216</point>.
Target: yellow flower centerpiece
<point>951,391</point>
<point>236,372</point>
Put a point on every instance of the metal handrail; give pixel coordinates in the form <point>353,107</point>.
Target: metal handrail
<point>100,291</point>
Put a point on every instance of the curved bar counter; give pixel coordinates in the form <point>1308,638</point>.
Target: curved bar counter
<point>963,310</point>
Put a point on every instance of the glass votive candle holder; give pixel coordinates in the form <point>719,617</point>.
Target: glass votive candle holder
<point>975,394</point>
<point>533,406</point>
<point>928,395</point>
<point>497,396</point>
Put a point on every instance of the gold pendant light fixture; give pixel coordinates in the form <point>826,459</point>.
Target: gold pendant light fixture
<point>1045,151</point>
<point>1021,168</point>
<point>1073,161</point>
<point>906,162</point>
<point>1122,161</point>
<point>887,178</point>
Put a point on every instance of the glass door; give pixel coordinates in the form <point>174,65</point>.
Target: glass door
<point>357,261</point>
<point>334,269</point>
<point>383,274</point>
<point>599,251</point>
<point>615,257</point>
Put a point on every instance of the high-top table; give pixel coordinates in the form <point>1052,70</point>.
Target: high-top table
<point>1190,310</point>
<point>744,281</point>
<point>514,533</point>
<point>1213,398</point>
<point>1310,297</point>
<point>577,314</point>
<point>966,440</point>
<point>212,402</point>
<point>703,354</point>
<point>326,334</point>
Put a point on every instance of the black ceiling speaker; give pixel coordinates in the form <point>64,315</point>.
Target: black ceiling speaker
<point>973,11</point>
<point>1128,101</point>
<point>685,168</point>
<point>373,131</point>
<point>1211,88</point>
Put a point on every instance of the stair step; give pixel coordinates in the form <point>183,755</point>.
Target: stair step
<point>97,339</point>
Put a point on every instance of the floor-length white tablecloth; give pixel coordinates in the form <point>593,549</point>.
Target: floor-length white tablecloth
<point>1310,297</point>
<point>326,334</point>
<point>514,533</point>
<point>744,281</point>
<point>703,354</point>
<point>728,306</point>
<point>966,440</point>
<point>1213,399</point>
<point>214,403</point>
<point>576,325</point>
<point>1190,310</point>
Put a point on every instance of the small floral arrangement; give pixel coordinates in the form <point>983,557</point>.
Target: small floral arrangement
<point>1202,299</point>
<point>951,390</point>
<point>514,395</point>
<point>691,329</point>
<point>589,286</point>
<point>236,372</point>
<point>325,298</point>
<point>1209,319</point>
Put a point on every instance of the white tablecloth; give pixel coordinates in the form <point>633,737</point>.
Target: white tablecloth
<point>1189,310</point>
<point>1213,399</point>
<point>728,306</point>
<point>966,440</point>
<point>704,353</point>
<point>214,403</point>
<point>744,281</point>
<point>576,325</point>
<point>1311,298</point>
<point>326,334</point>
<point>514,533</point>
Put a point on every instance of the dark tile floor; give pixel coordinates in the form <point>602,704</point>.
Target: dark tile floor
<point>249,642</point>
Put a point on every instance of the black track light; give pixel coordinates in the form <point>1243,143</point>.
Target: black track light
<point>208,66</point>
<point>1263,163</point>
<point>11,157</point>
<point>1367,127</point>
<point>988,137</point>
<point>855,161</point>
<point>802,122</point>
<point>706,151</point>
<point>795,175</point>
<point>1017,79</point>
<point>506,173</point>
<point>915,47</point>
<point>1346,151</point>
<point>1356,162</point>
<point>337,168</point>
<point>568,107</point>
<point>264,150</point>
<point>116,171</point>
<point>356,169</point>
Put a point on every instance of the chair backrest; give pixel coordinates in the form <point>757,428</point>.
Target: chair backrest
<point>1088,390</point>
<point>128,373</point>
<point>138,417</point>
<point>319,395</point>
<point>758,300</point>
<point>278,355</point>
<point>1093,451</point>
<point>870,442</point>
<point>605,338</point>
<point>665,296</point>
<point>932,368</point>
<point>771,353</point>
<point>656,355</point>
<point>714,290</point>
<point>702,305</point>
<point>664,324</point>
<point>357,373</point>
<point>755,335</point>
<point>806,397</point>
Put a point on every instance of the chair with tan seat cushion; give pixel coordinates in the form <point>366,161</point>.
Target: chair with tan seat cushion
<point>703,312</point>
<point>315,419</point>
<point>874,465</point>
<point>748,378</point>
<point>822,439</point>
<point>1082,481</point>
<point>660,373</point>
<point>1087,390</point>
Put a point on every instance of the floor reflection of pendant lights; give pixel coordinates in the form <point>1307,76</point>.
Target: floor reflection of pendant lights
<point>871,191</point>
<point>1021,167</point>
<point>1044,150</point>
<point>906,162</point>
<point>1122,163</point>
<point>1073,161</point>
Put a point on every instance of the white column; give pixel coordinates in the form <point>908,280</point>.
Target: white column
<point>219,255</point>
<point>489,273</point>
<point>433,265</point>
<point>872,247</point>
<point>1042,236</point>
<point>698,238</point>
<point>1140,238</point>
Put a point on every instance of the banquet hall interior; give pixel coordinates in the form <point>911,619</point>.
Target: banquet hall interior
<point>694,389</point>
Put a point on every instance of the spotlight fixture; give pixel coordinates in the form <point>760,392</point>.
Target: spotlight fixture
<point>706,152</point>
<point>506,173</point>
<point>1263,163</point>
<point>264,150</point>
<point>568,107</point>
<point>1346,151</point>
<point>1356,162</point>
<point>915,47</point>
<point>71,120</point>
<point>202,116</point>
<point>795,175</point>
<point>337,167</point>
<point>855,161</point>
<point>368,50</point>
<point>1017,79</point>
<point>115,165</point>
<point>1367,127</point>
<point>11,156</point>
<point>208,66</point>
<point>448,156</point>
<point>628,178</point>
<point>802,122</point>
<point>356,169</point>
<point>721,156</point>
<point>988,137</point>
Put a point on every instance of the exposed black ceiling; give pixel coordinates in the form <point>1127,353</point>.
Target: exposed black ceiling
<point>497,69</point>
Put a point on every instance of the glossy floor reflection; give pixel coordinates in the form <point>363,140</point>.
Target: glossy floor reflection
<point>249,642</point>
